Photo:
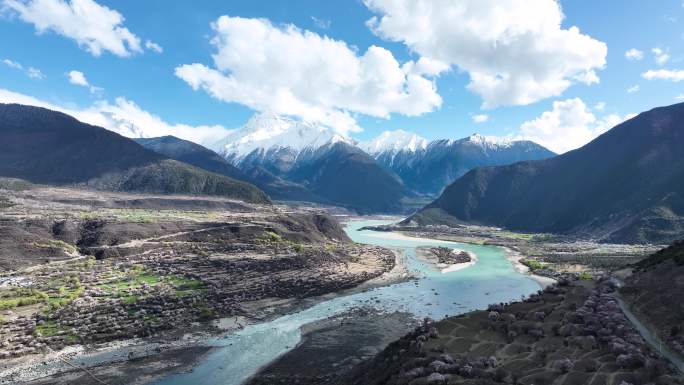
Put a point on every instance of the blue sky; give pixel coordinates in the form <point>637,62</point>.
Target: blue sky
<point>139,80</point>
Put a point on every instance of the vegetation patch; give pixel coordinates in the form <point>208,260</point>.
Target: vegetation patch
<point>57,244</point>
<point>533,264</point>
<point>10,299</point>
<point>52,328</point>
<point>137,277</point>
<point>65,293</point>
<point>585,276</point>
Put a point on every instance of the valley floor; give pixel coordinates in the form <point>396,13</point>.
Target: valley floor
<point>94,279</point>
<point>572,333</point>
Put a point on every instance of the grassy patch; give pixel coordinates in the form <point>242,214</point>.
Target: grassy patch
<point>137,277</point>
<point>270,236</point>
<point>586,276</point>
<point>64,296</point>
<point>52,328</point>
<point>130,299</point>
<point>57,244</point>
<point>10,299</point>
<point>533,264</point>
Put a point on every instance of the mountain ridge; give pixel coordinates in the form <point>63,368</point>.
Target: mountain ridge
<point>597,190</point>
<point>50,147</point>
<point>429,168</point>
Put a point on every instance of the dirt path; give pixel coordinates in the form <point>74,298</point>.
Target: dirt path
<point>139,242</point>
<point>652,338</point>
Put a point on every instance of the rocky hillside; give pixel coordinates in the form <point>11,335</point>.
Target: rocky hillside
<point>625,186</point>
<point>654,292</point>
<point>48,147</point>
<point>573,333</point>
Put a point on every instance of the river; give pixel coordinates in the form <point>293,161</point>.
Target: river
<point>492,279</point>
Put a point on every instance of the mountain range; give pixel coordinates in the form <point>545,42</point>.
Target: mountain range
<point>428,167</point>
<point>325,164</point>
<point>391,168</point>
<point>627,185</point>
<point>272,155</point>
<point>49,147</point>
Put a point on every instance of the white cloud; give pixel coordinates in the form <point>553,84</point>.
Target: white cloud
<point>661,56</point>
<point>587,78</point>
<point>569,125</point>
<point>633,89</point>
<point>600,106</point>
<point>679,97</point>
<point>78,78</point>
<point>95,27</point>
<point>516,52</point>
<point>32,72</point>
<point>634,54</point>
<point>671,75</point>
<point>154,47</point>
<point>13,64</point>
<point>480,118</point>
<point>321,23</point>
<point>289,71</point>
<point>124,117</point>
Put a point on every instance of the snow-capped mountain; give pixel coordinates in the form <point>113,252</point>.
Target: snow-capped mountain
<point>269,134</point>
<point>490,142</point>
<point>320,164</point>
<point>324,165</point>
<point>394,142</point>
<point>428,167</point>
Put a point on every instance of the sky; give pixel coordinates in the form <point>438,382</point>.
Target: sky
<point>559,73</point>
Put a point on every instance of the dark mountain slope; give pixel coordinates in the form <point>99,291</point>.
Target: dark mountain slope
<point>654,292</point>
<point>627,185</point>
<point>204,158</point>
<point>44,146</point>
<point>193,154</point>
<point>346,175</point>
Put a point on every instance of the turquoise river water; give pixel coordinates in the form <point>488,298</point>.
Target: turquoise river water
<point>492,279</point>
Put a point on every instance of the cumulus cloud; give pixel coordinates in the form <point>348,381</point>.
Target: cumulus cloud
<point>32,72</point>
<point>569,125</point>
<point>671,75</point>
<point>660,56</point>
<point>634,54</point>
<point>600,106</point>
<point>480,118</point>
<point>126,118</point>
<point>633,89</point>
<point>290,71</point>
<point>78,78</point>
<point>154,47</point>
<point>94,27</point>
<point>514,51</point>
